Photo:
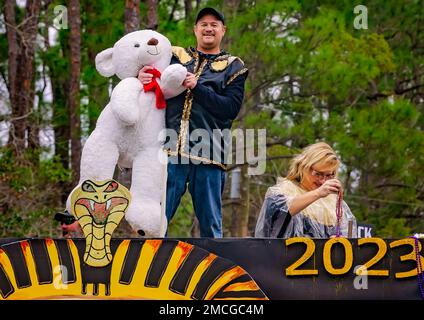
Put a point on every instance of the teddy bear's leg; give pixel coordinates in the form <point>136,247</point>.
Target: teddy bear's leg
<point>98,160</point>
<point>145,214</point>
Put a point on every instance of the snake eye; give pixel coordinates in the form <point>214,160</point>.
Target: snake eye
<point>87,187</point>
<point>137,45</point>
<point>112,187</point>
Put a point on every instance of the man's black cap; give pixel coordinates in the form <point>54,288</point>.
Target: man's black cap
<point>211,11</point>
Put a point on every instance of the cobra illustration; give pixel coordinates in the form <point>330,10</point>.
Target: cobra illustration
<point>99,206</point>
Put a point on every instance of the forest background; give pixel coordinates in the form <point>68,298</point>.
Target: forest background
<point>319,71</point>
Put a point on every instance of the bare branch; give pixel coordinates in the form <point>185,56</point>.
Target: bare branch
<point>397,185</point>
<point>174,7</point>
<point>232,167</point>
<point>8,117</point>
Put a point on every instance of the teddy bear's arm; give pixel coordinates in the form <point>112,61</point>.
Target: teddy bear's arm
<point>124,100</point>
<point>171,81</point>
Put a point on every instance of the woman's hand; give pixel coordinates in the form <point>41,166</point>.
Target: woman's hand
<point>329,187</point>
<point>300,202</point>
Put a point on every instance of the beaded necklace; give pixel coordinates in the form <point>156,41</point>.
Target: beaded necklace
<point>420,271</point>
<point>339,212</point>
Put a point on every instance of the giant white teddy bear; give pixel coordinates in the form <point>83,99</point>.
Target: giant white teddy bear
<point>128,129</point>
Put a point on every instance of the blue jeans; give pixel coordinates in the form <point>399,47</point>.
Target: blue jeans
<point>205,184</point>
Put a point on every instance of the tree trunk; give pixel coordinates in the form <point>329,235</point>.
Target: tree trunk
<point>244,221</point>
<point>195,230</point>
<point>230,12</point>
<point>21,71</point>
<point>188,8</point>
<point>152,14</point>
<point>60,118</point>
<point>235,218</point>
<point>97,86</point>
<point>30,30</point>
<point>73,98</point>
<point>132,15</point>
<point>241,208</point>
<point>198,4</point>
<point>13,49</point>
<point>173,8</point>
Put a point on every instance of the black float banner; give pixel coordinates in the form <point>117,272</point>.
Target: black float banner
<point>268,260</point>
<point>295,268</point>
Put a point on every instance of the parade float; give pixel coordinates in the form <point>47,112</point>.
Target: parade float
<point>99,266</point>
<point>103,267</point>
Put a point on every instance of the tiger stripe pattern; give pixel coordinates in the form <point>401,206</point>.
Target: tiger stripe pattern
<point>140,269</point>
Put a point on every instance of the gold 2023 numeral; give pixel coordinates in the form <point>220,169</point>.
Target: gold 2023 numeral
<point>293,269</point>
<point>382,250</point>
<point>328,264</point>
<point>409,256</point>
<point>310,250</point>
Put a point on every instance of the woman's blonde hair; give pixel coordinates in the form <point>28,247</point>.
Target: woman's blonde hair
<point>317,153</point>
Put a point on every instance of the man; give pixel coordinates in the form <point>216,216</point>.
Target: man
<point>214,95</point>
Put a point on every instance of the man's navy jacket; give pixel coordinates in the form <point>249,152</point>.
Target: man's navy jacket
<point>202,117</point>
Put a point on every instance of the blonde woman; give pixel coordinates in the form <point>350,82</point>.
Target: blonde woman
<point>304,203</point>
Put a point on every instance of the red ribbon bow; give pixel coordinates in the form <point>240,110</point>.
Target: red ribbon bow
<point>154,86</point>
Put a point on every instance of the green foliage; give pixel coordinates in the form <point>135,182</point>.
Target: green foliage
<point>394,228</point>
<point>345,93</point>
<point>182,223</point>
<point>179,31</point>
<point>30,194</point>
<point>312,77</point>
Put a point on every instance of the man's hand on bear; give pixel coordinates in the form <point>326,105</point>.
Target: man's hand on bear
<point>145,77</point>
<point>190,81</point>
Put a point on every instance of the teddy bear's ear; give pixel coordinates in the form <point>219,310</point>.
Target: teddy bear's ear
<point>104,63</point>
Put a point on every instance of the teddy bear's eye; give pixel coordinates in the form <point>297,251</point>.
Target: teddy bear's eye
<point>137,45</point>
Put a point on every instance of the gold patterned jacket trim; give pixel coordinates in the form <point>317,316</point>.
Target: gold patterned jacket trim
<point>231,59</point>
<point>188,103</point>
<point>184,56</point>
<point>220,63</point>
<point>189,156</point>
<point>242,71</point>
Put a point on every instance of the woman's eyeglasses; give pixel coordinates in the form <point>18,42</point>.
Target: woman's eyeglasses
<point>320,175</point>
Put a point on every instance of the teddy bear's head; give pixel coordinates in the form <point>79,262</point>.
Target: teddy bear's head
<point>132,52</point>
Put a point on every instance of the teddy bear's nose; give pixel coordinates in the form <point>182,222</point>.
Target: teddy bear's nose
<point>153,42</point>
